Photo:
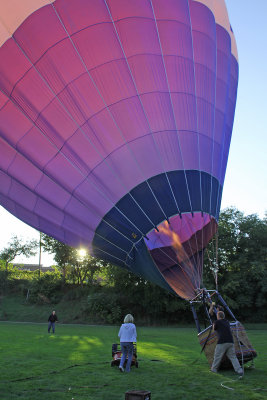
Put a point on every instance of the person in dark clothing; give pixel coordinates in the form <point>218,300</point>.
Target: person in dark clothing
<point>52,322</point>
<point>225,344</point>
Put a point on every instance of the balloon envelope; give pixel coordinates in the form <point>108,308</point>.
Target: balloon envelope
<point>115,116</point>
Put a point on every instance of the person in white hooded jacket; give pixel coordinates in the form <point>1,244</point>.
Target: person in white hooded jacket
<point>127,335</point>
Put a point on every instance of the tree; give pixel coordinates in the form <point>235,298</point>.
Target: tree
<point>242,261</point>
<point>63,254</point>
<point>15,248</point>
<point>79,269</point>
<point>86,268</point>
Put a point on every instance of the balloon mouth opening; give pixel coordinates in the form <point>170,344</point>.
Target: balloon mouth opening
<point>177,249</point>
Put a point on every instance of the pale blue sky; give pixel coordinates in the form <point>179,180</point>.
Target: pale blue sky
<point>245,184</point>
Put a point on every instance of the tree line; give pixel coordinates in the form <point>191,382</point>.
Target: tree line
<point>237,256</point>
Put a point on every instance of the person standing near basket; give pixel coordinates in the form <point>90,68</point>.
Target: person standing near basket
<point>225,345</point>
<point>127,335</point>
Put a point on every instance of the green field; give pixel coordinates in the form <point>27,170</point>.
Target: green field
<point>75,364</point>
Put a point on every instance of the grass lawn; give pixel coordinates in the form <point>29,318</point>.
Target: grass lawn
<point>75,364</point>
<point>14,308</point>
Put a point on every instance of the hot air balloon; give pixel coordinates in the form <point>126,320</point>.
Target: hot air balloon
<point>115,125</point>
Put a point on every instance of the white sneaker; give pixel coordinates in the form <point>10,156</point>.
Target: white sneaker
<point>121,369</point>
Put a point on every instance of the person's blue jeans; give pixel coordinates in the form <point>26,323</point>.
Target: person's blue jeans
<point>51,324</point>
<point>127,351</point>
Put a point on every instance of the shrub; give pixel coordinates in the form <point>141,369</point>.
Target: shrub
<point>104,307</point>
<point>45,288</point>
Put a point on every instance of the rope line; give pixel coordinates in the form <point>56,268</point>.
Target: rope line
<point>110,113</point>
<point>145,114</point>
<point>172,107</point>
<point>196,104</point>
<point>174,117</point>
<point>224,130</point>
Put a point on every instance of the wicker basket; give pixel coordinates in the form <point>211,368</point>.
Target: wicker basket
<point>243,348</point>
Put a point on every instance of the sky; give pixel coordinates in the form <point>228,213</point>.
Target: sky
<point>245,184</point>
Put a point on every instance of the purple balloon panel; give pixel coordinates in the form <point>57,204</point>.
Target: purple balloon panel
<point>115,116</point>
